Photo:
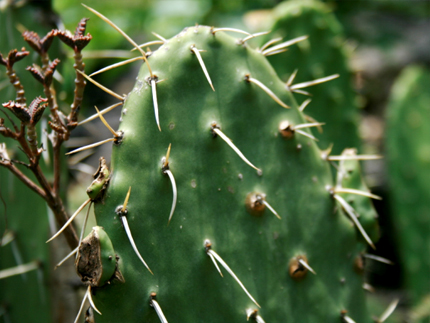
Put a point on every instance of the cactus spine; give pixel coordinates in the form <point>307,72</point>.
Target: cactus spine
<point>222,110</point>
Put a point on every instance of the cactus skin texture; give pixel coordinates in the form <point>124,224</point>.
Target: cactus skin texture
<point>213,183</point>
<point>321,55</point>
<point>408,151</point>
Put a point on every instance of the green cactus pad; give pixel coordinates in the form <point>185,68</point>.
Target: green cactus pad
<point>408,154</point>
<point>322,54</point>
<point>213,183</point>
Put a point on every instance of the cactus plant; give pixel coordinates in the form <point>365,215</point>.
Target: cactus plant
<point>321,55</point>
<point>192,226</point>
<point>408,152</point>
<point>195,95</point>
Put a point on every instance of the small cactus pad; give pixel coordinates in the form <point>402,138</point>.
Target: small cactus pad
<point>322,54</point>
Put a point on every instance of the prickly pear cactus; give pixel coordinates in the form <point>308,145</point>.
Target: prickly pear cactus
<point>321,55</point>
<point>223,179</point>
<point>408,153</point>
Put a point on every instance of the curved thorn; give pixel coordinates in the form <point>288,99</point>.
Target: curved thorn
<point>67,257</point>
<point>82,306</point>
<point>306,265</point>
<point>304,104</point>
<point>271,209</point>
<point>357,192</point>
<point>347,319</point>
<point>267,90</point>
<point>175,193</point>
<point>115,134</point>
<point>215,30</point>
<point>127,197</point>
<point>91,146</point>
<point>107,68</point>
<point>284,44</point>
<point>7,238</point>
<point>158,310</point>
<point>202,64</point>
<point>276,52</point>
<point>270,42</point>
<point>355,157</point>
<point>255,35</point>
<point>390,309</point>
<point>95,116</point>
<point>20,269</point>
<point>314,82</point>
<point>291,78</point>
<point>90,299</point>
<point>159,37</point>
<point>236,150</point>
<point>215,263</point>
<point>166,161</point>
<point>93,54</point>
<point>154,99</point>
<point>303,133</point>
<point>368,287</point>
<point>130,238</point>
<point>351,212</point>
<point>308,125</point>
<point>131,41</point>
<point>301,92</point>
<point>70,220</point>
<point>119,97</point>
<point>226,267</point>
<point>150,43</point>
<point>378,258</point>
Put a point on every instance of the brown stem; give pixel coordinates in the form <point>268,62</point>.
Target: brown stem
<point>52,104</point>
<point>45,60</point>
<point>57,207</point>
<point>19,89</point>
<point>23,178</point>
<point>79,87</point>
<point>57,164</point>
<point>51,197</point>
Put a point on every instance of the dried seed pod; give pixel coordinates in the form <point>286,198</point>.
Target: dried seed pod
<point>96,262</point>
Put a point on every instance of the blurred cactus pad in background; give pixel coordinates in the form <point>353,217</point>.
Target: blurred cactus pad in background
<point>228,171</point>
<point>408,151</point>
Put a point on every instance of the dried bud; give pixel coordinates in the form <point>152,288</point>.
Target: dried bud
<point>96,262</point>
<point>82,41</point>
<point>36,73</point>
<point>80,29</point>
<point>77,41</point>
<point>49,73</point>
<point>35,110</point>
<point>66,38</point>
<point>20,111</point>
<point>39,45</point>
<point>33,39</point>
<point>13,57</point>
